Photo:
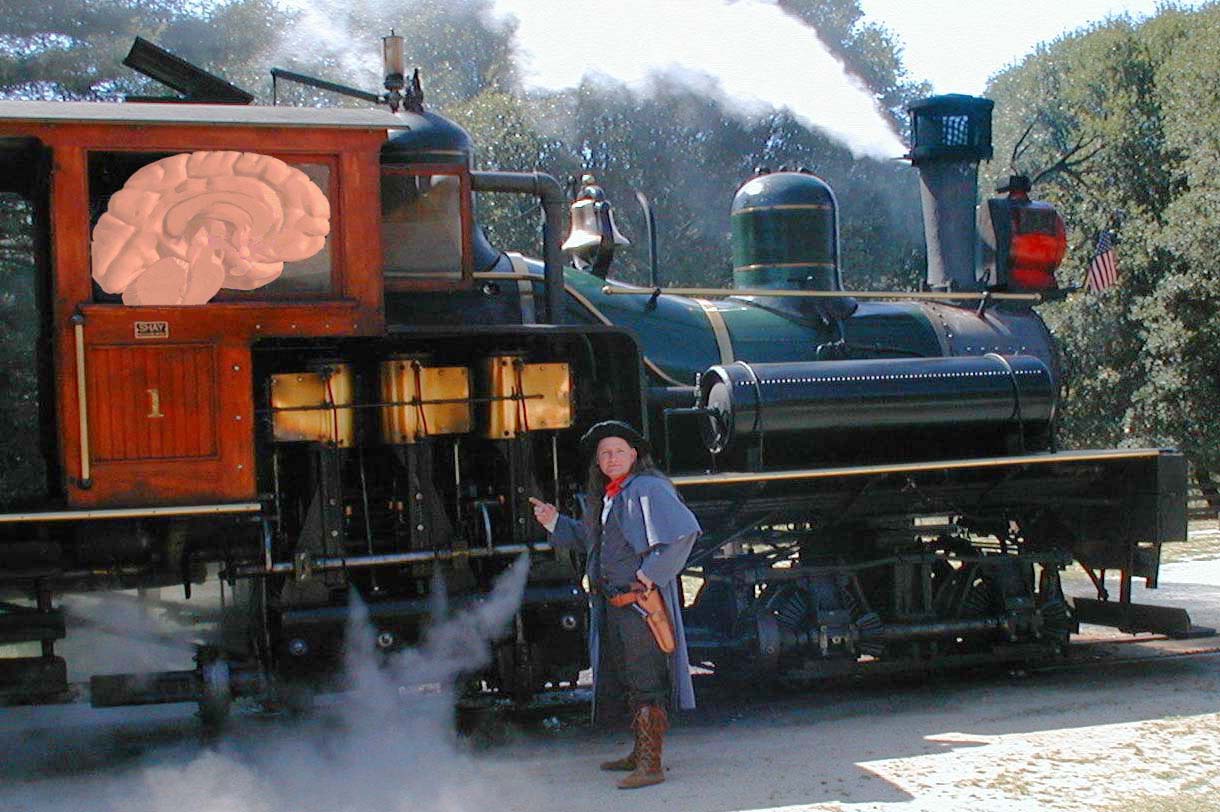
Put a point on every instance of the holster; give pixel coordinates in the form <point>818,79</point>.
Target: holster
<point>653,606</point>
<point>658,619</point>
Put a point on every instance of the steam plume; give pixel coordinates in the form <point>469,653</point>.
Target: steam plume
<point>749,53</point>
<point>387,744</point>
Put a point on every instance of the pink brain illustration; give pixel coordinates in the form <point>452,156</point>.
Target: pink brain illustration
<point>184,227</point>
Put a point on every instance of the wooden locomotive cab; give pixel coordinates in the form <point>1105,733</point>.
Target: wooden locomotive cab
<point>182,234</point>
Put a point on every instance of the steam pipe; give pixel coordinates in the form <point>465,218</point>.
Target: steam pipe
<point>650,221</point>
<point>322,84</point>
<point>550,194</point>
<point>320,564</point>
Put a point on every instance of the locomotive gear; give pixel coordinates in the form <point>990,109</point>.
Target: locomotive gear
<point>649,724</point>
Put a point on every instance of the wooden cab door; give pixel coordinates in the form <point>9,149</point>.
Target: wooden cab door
<point>166,412</point>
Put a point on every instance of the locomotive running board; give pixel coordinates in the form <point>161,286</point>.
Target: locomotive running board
<point>1134,618</point>
<point>130,513</point>
<point>739,477</point>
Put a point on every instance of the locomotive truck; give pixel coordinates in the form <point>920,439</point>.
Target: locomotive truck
<point>274,348</point>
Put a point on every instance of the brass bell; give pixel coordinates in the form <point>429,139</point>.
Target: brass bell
<point>594,235</point>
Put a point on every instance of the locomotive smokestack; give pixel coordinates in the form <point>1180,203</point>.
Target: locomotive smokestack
<point>950,135</point>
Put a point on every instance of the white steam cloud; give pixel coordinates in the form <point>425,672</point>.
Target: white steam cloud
<point>387,744</point>
<point>748,53</point>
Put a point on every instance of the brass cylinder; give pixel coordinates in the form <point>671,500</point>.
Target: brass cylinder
<point>526,397</point>
<point>314,406</point>
<point>425,401</point>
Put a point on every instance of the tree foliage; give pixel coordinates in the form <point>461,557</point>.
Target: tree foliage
<point>66,49</point>
<point>1143,356</point>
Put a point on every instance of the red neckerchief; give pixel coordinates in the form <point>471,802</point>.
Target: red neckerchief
<point>614,486</point>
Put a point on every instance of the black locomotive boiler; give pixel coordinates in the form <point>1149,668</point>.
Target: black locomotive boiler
<point>298,366</point>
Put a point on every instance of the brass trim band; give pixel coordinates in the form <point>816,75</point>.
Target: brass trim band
<point>130,513</point>
<point>784,206</point>
<point>729,478</point>
<point>768,265</point>
<point>611,290</point>
<point>720,330</point>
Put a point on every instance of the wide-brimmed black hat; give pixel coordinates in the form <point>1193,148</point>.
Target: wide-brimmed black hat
<point>612,428</point>
<point>1016,183</point>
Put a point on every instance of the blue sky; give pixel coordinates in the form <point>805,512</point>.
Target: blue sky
<point>957,44</point>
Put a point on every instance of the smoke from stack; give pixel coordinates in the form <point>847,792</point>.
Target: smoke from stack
<point>749,55</point>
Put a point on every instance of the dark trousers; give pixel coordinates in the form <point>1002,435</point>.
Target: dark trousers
<point>633,671</point>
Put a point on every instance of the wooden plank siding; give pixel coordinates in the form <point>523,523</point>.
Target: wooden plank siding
<point>153,402</point>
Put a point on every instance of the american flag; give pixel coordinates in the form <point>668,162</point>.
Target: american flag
<point>1103,268</point>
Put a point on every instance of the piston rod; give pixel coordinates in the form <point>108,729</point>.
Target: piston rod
<point>389,559</point>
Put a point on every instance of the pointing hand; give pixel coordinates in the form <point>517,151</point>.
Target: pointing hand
<point>544,512</point>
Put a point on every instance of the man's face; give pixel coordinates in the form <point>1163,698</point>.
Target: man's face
<point>615,456</point>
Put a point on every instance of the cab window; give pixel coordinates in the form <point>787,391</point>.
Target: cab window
<point>190,228</point>
<point>424,228</point>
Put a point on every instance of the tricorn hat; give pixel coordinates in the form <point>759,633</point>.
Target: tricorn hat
<point>1016,183</point>
<point>612,428</point>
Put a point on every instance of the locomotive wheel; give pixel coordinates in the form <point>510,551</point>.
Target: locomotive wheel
<point>514,667</point>
<point>217,699</point>
<point>1057,620</point>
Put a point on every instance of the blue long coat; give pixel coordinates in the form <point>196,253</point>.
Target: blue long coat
<point>662,530</point>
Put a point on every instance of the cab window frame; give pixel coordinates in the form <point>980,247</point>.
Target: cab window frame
<point>334,240</point>
<point>465,279</point>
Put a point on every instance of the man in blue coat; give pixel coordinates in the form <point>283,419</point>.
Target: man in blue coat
<point>637,534</point>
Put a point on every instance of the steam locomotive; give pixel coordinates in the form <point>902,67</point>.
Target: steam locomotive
<point>244,376</point>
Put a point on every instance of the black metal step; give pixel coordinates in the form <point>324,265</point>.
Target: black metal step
<point>24,624</point>
<point>32,679</point>
<point>1139,617</point>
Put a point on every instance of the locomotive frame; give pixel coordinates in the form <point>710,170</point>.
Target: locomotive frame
<point>172,458</point>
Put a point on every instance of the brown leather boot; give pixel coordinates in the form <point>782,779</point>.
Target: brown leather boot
<point>627,763</point>
<point>650,724</point>
<point>624,765</point>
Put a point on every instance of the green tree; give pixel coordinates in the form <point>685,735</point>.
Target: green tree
<point>1177,400</point>
<point>65,49</point>
<point>1139,101</point>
